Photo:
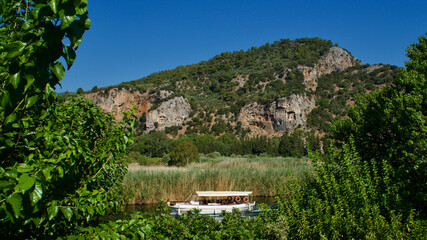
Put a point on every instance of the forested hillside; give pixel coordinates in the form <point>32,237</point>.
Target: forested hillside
<point>267,91</point>
<point>218,89</point>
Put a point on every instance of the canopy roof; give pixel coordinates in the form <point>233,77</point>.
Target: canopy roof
<point>223,193</point>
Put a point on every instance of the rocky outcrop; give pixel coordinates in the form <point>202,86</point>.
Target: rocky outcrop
<point>170,113</point>
<point>116,101</point>
<point>274,119</point>
<point>284,114</point>
<point>336,59</point>
<point>291,112</point>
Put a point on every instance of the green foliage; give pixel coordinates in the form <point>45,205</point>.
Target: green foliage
<point>60,164</point>
<point>63,174</point>
<point>31,45</point>
<point>161,225</point>
<point>80,91</point>
<point>343,199</point>
<point>390,125</point>
<point>293,144</point>
<point>154,144</point>
<point>337,90</point>
<point>173,130</point>
<point>136,157</point>
<point>417,53</point>
<point>184,153</point>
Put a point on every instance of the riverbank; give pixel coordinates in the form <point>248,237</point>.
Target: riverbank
<point>262,175</point>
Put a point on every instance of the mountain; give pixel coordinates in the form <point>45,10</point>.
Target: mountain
<point>264,91</point>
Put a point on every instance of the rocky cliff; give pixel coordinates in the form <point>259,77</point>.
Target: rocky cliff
<point>265,91</point>
<point>170,113</point>
<point>284,114</point>
<point>116,101</point>
<point>336,59</point>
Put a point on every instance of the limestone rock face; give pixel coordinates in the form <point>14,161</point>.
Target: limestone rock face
<point>290,112</point>
<point>273,119</point>
<point>162,94</point>
<point>336,59</point>
<point>170,113</point>
<point>116,101</point>
<point>284,114</point>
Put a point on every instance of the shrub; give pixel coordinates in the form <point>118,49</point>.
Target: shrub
<point>343,199</point>
<point>213,155</point>
<point>184,153</point>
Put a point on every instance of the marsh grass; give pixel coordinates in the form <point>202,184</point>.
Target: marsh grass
<point>262,175</point>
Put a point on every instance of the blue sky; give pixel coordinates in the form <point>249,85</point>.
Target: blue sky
<point>130,39</point>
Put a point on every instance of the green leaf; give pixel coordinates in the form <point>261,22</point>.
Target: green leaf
<point>46,173</point>
<point>70,56</point>
<point>15,79</point>
<point>5,100</point>
<point>58,70</point>
<point>31,101</point>
<point>52,211</point>
<point>48,89</point>
<point>60,171</point>
<point>12,173</point>
<point>15,200</point>
<point>10,119</point>
<point>67,15</point>
<point>37,194</point>
<point>37,9</point>
<point>25,182</point>
<point>80,8</point>
<point>75,34</point>
<point>68,213</point>
<point>30,80</point>
<point>88,23</point>
<point>15,49</point>
<point>54,4</point>
<point>90,210</point>
<point>6,184</point>
<point>24,168</point>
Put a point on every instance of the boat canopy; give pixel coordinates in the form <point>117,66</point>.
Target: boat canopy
<point>223,193</point>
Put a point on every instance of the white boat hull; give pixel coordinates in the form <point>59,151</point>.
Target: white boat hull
<point>182,208</point>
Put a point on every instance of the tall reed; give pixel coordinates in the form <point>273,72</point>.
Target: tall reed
<point>261,175</point>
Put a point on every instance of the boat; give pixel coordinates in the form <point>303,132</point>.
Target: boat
<point>215,202</point>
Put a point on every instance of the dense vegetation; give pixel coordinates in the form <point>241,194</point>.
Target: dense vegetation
<point>60,161</point>
<point>156,148</point>
<point>217,89</point>
<point>62,168</point>
<point>262,64</point>
<point>336,91</point>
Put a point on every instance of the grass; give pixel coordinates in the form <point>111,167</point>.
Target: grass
<point>262,175</point>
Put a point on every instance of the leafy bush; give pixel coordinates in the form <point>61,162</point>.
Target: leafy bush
<point>213,155</point>
<point>184,153</point>
<point>343,200</point>
<point>61,161</point>
<point>390,125</point>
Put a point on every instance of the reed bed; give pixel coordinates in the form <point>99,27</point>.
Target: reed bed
<point>262,175</point>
